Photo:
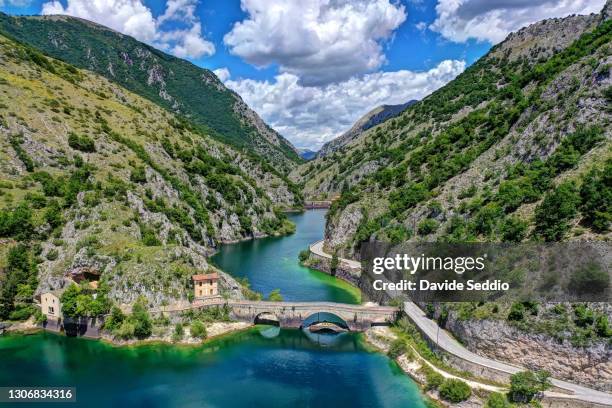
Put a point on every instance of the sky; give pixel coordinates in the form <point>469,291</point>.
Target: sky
<point>311,68</point>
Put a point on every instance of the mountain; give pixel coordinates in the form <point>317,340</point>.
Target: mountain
<point>96,180</point>
<point>367,121</point>
<point>517,147</point>
<point>307,154</point>
<point>172,83</point>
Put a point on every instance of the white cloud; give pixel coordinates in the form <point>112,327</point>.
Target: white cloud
<point>320,41</point>
<point>222,73</point>
<point>310,116</point>
<point>493,20</point>
<point>134,18</point>
<point>15,3</point>
<point>421,25</point>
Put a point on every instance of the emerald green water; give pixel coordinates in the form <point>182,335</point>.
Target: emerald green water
<point>262,367</point>
<point>248,369</point>
<point>272,263</point>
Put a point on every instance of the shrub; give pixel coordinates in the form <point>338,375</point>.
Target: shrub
<point>138,175</point>
<point>115,320</point>
<point>198,330</point>
<point>427,226</point>
<point>125,331</point>
<point>83,143</point>
<point>591,278</point>
<point>497,400</point>
<point>275,296</point>
<point>304,254</point>
<point>455,390</point>
<point>517,312</point>
<point>433,379</point>
<point>52,255</point>
<point>22,312</point>
<point>179,332</point>
<point>397,348</point>
<point>513,229</point>
<point>526,384</point>
<point>555,211</point>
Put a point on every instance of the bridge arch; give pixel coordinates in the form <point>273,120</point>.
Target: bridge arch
<point>267,318</point>
<point>325,317</point>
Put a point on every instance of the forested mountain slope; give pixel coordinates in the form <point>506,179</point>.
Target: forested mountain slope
<point>97,180</point>
<point>517,147</point>
<point>173,83</point>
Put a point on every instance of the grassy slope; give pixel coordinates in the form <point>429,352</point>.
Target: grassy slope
<point>443,160</point>
<point>170,82</point>
<point>145,207</point>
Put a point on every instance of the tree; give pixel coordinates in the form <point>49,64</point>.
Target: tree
<point>141,320</point>
<point>83,143</point>
<point>596,196</point>
<point>334,262</point>
<point>454,390</point>
<point>552,216</point>
<point>115,319</point>
<point>513,229</point>
<point>20,277</point>
<point>70,301</point>
<point>526,384</point>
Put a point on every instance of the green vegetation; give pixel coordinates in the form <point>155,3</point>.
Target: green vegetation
<point>18,285</point>
<point>275,296</point>
<point>198,330</point>
<point>497,400</point>
<point>79,301</point>
<point>303,255</point>
<point>83,143</point>
<point>454,390</point>
<point>497,105</point>
<point>217,118</point>
<point>397,348</point>
<point>136,325</point>
<point>525,385</point>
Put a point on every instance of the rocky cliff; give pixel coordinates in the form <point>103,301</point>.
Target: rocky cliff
<point>100,184</point>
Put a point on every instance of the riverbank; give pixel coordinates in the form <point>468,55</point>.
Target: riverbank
<point>415,366</point>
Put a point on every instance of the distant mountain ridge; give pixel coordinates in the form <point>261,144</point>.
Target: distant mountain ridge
<point>175,84</point>
<point>374,117</point>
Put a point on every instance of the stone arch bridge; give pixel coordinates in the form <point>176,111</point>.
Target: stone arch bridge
<point>293,314</point>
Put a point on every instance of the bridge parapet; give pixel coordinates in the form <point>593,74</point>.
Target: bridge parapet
<point>293,314</point>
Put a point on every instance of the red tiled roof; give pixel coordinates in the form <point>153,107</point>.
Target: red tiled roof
<point>208,276</point>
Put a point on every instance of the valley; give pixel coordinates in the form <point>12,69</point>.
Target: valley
<point>148,200</point>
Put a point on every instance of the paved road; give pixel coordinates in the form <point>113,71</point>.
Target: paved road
<point>446,342</point>
<point>317,249</point>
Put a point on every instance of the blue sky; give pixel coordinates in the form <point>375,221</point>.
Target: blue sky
<point>311,68</point>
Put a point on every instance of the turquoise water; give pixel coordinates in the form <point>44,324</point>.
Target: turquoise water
<point>272,263</point>
<point>263,367</point>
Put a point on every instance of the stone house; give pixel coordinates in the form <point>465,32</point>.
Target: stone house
<point>50,304</point>
<point>205,285</point>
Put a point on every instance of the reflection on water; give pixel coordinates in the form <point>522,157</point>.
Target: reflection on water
<point>262,367</point>
<point>272,263</point>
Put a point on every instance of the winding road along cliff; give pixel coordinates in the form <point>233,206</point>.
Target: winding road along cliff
<point>445,341</point>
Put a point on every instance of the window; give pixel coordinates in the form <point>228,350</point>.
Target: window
<point>51,310</point>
